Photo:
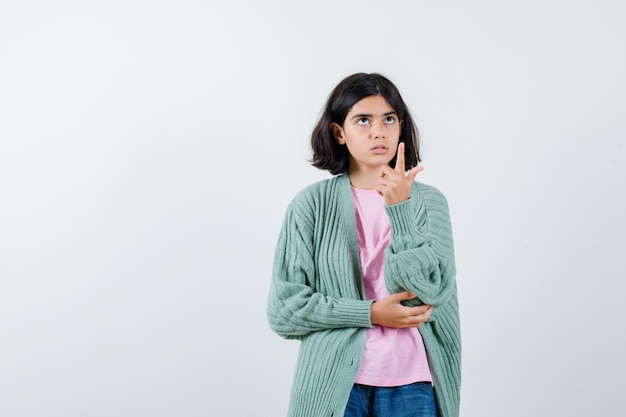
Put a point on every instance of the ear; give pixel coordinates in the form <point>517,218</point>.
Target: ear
<point>337,133</point>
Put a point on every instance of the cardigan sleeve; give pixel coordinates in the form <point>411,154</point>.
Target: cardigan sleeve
<point>295,308</point>
<point>420,257</point>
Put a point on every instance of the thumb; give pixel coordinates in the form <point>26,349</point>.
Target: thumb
<point>413,173</point>
<point>407,295</point>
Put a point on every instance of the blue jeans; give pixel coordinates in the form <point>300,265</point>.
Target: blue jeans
<point>413,400</point>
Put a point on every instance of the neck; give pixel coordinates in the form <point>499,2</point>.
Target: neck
<point>364,179</point>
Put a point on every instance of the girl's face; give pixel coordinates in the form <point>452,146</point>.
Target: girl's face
<point>371,132</point>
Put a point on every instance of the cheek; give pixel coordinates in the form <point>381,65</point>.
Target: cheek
<point>394,133</point>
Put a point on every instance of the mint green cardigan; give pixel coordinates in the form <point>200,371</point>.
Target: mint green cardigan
<point>316,293</point>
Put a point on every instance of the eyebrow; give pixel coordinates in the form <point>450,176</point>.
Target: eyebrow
<point>389,113</point>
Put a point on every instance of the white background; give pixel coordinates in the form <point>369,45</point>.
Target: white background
<point>148,150</point>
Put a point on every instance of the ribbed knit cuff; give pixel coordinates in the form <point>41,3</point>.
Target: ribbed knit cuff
<point>355,313</point>
<point>405,223</point>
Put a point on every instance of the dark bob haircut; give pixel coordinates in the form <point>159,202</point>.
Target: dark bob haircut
<point>328,154</point>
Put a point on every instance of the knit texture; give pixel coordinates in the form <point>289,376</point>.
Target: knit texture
<point>316,294</point>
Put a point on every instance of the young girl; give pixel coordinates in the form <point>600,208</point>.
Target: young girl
<point>364,271</point>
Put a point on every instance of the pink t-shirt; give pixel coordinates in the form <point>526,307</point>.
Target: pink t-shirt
<point>392,357</point>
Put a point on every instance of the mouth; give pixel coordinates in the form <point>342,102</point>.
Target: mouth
<point>378,149</point>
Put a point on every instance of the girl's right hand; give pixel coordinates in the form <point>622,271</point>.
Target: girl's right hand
<point>394,184</point>
<point>390,312</point>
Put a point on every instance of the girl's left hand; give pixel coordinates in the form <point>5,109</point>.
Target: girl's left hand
<point>393,183</point>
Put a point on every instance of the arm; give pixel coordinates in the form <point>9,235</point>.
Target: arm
<point>420,257</point>
<point>295,308</point>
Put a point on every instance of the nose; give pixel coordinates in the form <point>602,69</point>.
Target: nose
<point>378,130</point>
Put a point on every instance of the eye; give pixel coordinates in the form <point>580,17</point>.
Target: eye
<point>362,121</point>
<point>390,120</point>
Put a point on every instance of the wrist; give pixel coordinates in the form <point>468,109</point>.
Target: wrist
<point>374,313</point>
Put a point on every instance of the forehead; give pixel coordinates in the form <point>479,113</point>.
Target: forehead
<point>372,105</point>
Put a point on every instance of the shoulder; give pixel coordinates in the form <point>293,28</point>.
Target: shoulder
<point>430,194</point>
<point>437,213</point>
<point>313,202</point>
<point>316,194</point>
<point>435,202</point>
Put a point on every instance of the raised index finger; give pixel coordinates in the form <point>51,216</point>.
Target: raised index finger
<point>400,159</point>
